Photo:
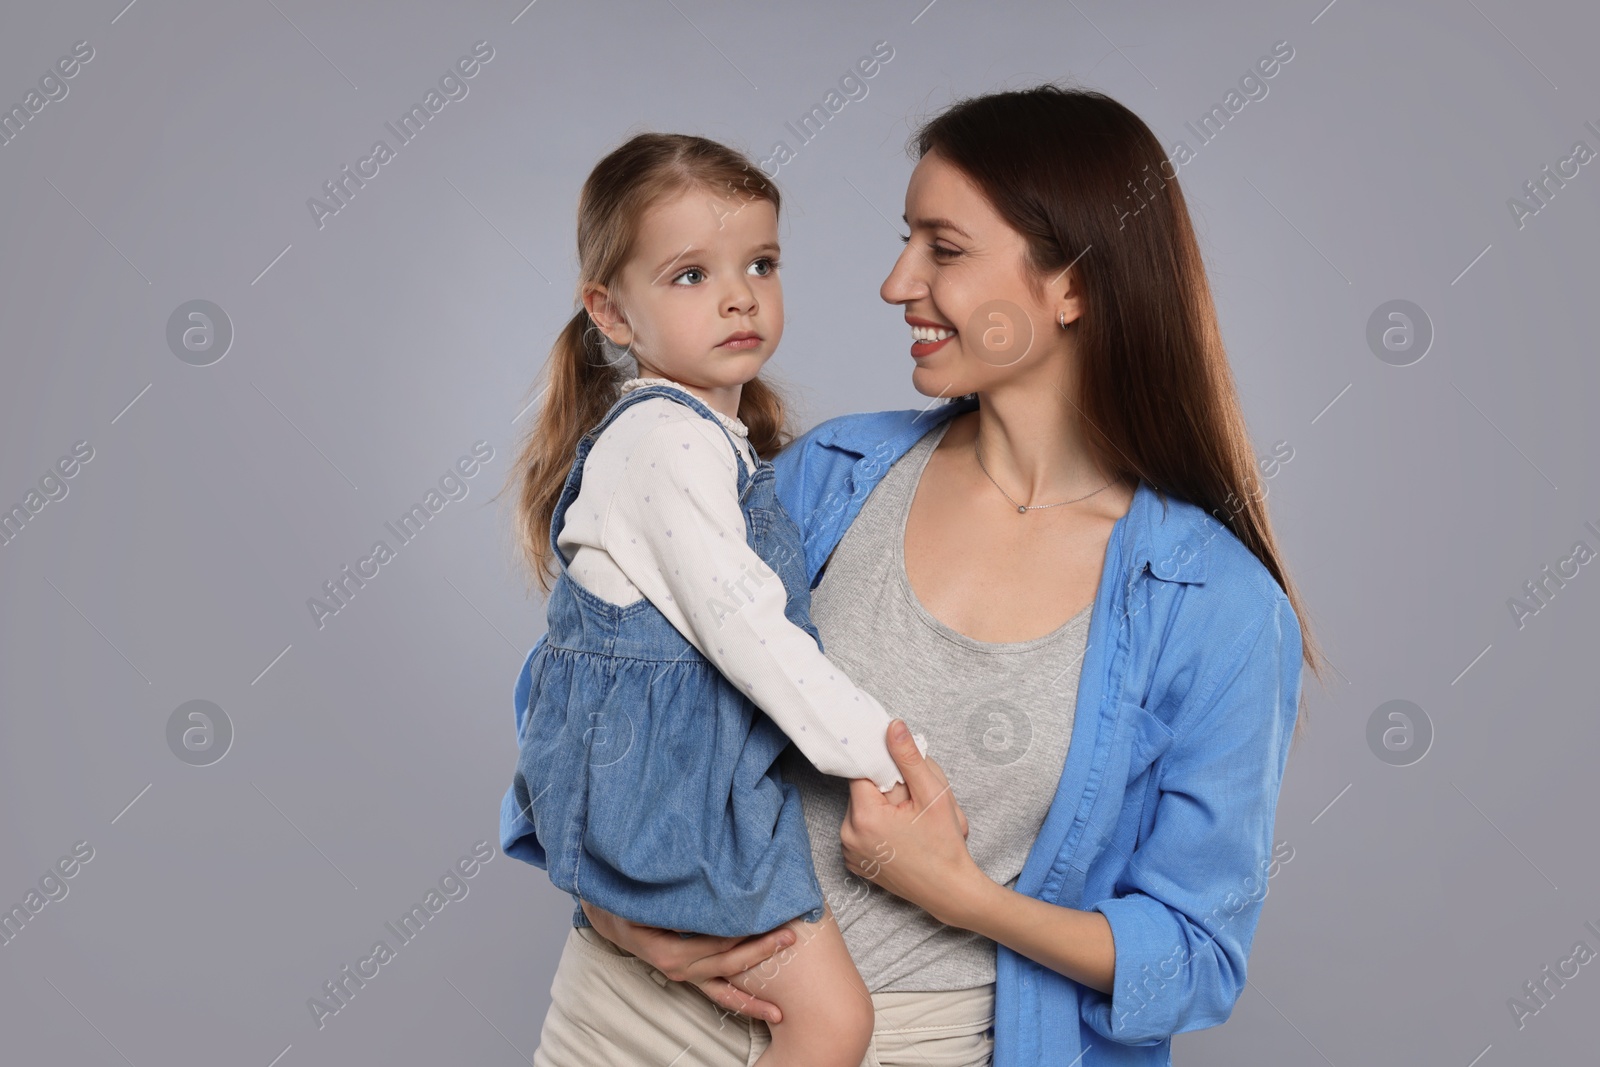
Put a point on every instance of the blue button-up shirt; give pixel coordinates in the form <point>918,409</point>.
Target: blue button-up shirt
<point>1162,821</point>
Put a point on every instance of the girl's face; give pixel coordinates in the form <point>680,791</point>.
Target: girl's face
<point>700,298</point>
<point>975,320</point>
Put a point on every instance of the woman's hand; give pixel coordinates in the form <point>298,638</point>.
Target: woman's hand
<point>912,839</point>
<point>702,960</point>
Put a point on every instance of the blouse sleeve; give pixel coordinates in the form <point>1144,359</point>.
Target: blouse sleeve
<point>1185,913</point>
<point>675,528</point>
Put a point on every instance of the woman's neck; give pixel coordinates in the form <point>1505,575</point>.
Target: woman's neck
<point>1031,441</point>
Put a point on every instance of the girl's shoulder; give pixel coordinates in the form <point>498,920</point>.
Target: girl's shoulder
<point>642,418</point>
<point>663,440</point>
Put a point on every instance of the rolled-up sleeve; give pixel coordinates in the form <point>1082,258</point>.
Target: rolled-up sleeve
<point>1184,911</point>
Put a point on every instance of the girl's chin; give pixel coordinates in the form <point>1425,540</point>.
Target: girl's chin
<point>724,370</point>
<point>735,368</point>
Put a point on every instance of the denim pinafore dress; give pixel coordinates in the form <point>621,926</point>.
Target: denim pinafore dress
<point>650,780</point>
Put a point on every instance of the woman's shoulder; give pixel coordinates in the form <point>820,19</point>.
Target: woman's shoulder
<point>855,433</point>
<point>1183,542</point>
<point>866,432</point>
<point>1228,593</point>
<point>1219,619</point>
<point>841,458</point>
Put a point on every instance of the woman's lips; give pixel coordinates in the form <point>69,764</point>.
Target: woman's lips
<point>920,349</point>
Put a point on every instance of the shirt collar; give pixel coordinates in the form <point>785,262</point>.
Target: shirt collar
<point>1172,536</point>
<point>889,431</point>
<point>733,424</point>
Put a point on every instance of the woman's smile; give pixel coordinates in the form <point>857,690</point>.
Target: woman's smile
<point>927,337</point>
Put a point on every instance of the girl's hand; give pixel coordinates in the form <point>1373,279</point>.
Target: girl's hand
<point>900,794</point>
<point>916,847</point>
<point>702,960</point>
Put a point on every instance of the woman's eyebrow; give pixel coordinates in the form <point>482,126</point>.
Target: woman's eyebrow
<point>937,224</point>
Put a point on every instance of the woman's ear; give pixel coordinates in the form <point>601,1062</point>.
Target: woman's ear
<point>602,308</point>
<point>1067,292</point>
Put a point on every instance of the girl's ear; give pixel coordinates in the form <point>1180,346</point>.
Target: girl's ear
<point>607,316</point>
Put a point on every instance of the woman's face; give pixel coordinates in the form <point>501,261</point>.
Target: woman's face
<point>975,321</point>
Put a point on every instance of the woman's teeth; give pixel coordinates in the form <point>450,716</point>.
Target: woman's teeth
<point>930,333</point>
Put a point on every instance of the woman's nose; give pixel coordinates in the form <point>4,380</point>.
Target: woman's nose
<point>904,283</point>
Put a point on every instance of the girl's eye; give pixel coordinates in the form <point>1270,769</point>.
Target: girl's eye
<point>687,271</point>
<point>772,266</point>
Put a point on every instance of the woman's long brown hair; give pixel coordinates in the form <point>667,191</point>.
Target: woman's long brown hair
<point>582,379</point>
<point>1079,175</point>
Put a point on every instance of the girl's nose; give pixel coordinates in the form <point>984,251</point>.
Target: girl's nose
<point>741,299</point>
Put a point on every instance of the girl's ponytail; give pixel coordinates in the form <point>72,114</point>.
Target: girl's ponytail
<point>581,385</point>
<point>762,411</point>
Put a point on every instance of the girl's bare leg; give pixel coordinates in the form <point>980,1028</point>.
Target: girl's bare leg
<point>827,1011</point>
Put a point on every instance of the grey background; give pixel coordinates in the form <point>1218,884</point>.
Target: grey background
<point>370,754</point>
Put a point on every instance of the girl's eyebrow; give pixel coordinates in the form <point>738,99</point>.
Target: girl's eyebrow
<point>937,224</point>
<point>765,246</point>
<point>662,268</point>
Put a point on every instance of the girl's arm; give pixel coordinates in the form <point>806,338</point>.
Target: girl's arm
<point>675,528</point>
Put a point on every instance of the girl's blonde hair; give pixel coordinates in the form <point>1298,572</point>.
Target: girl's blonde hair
<point>581,378</point>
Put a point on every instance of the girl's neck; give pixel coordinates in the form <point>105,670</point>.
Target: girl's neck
<point>723,399</point>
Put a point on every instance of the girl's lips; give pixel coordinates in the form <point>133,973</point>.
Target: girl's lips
<point>928,348</point>
<point>741,343</point>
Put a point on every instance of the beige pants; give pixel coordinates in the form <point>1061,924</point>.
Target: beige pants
<point>609,1008</point>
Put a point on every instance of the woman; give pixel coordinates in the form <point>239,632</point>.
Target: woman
<point>1067,580</point>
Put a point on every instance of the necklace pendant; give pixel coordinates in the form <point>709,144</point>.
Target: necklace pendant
<point>1021,509</point>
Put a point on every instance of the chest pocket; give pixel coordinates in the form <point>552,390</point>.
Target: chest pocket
<point>1148,738</point>
<point>1129,783</point>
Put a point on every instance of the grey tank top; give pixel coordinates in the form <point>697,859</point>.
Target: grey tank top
<point>996,716</point>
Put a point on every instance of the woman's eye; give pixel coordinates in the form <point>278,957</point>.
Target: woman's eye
<point>772,266</point>
<point>686,272</point>
<point>938,250</point>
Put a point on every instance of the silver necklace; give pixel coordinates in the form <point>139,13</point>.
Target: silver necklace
<point>1023,509</point>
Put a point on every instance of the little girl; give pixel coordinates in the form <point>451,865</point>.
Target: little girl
<point>681,607</point>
